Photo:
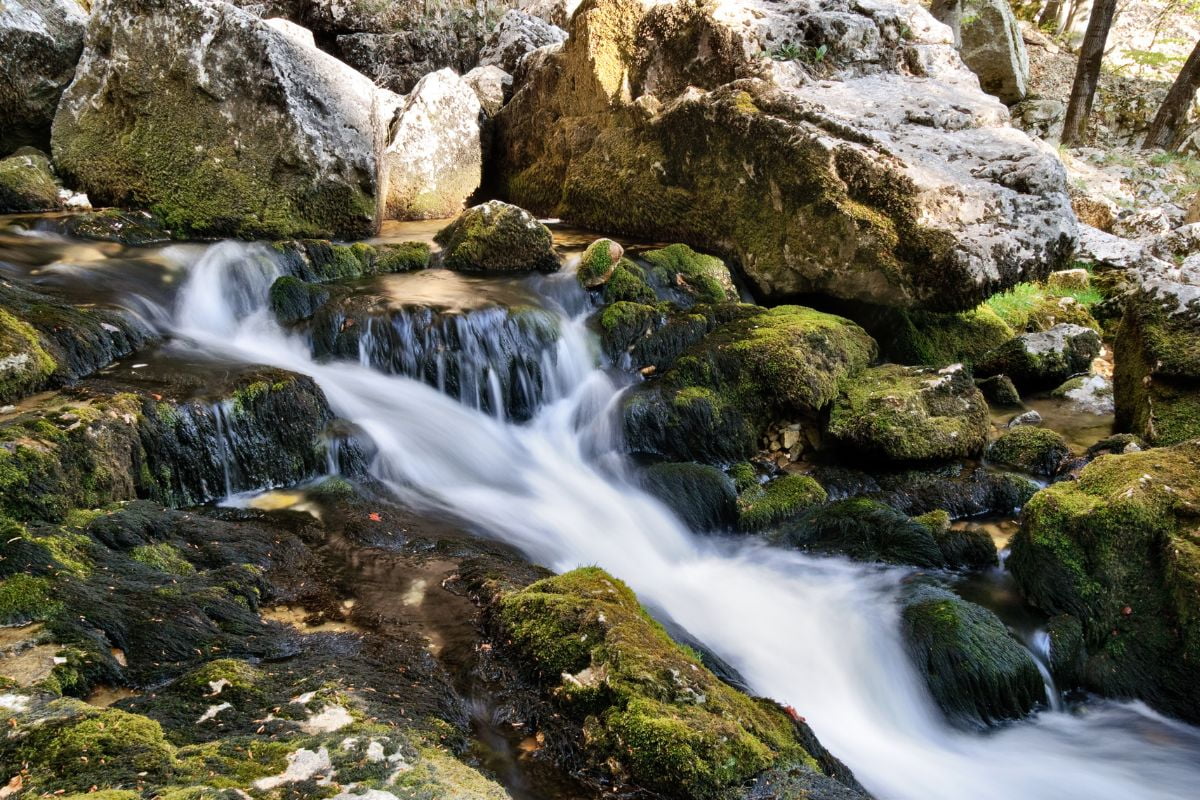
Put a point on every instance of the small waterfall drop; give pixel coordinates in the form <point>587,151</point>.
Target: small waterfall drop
<point>819,634</point>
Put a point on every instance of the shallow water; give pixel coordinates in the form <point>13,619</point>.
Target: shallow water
<point>818,634</point>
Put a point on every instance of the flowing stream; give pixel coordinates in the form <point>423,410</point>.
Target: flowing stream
<point>819,634</point>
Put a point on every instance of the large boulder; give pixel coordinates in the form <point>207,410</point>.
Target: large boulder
<point>516,34</point>
<point>40,43</point>
<point>861,161</point>
<point>1043,359</point>
<point>223,123</point>
<point>434,159</point>
<point>910,414</point>
<point>1031,449</point>
<point>991,44</point>
<point>497,237</point>
<point>1156,380</point>
<point>1116,549</point>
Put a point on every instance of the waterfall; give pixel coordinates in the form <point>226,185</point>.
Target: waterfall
<point>819,634</point>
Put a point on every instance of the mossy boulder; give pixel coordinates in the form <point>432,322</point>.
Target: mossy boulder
<point>598,262</point>
<point>977,672</point>
<point>700,495</point>
<point>1044,359</point>
<point>322,261</point>
<point>497,237</point>
<point>132,228</point>
<point>1000,389</point>
<point>934,340</point>
<point>655,335</point>
<point>643,705</point>
<point>714,402</point>
<point>254,132</point>
<point>762,506</point>
<point>703,278</point>
<point>1031,449</point>
<point>1156,380</point>
<point>293,300</point>
<point>910,414</point>
<point>628,284</point>
<point>1116,550</point>
<point>27,183</point>
<point>864,530</point>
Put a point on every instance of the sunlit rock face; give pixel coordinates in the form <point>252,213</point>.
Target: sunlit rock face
<point>825,146</point>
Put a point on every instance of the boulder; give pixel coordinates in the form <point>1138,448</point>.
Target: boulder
<point>668,722</point>
<point>1043,359</point>
<point>497,237</point>
<point>666,120</point>
<point>40,43</point>
<point>251,132</point>
<point>492,86</point>
<point>556,12</point>
<point>1030,449</point>
<point>1116,550</point>
<point>1089,394</point>
<point>865,531</point>
<point>999,389</point>
<point>434,159</point>
<point>516,34</point>
<point>977,672</point>
<point>991,44</point>
<point>910,414</point>
<point>1156,379</point>
<point>700,495</point>
<point>27,183</point>
<point>762,506</point>
<point>763,365</point>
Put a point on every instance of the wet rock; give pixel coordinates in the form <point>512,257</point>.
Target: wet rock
<point>1114,550</point>
<point>688,276</point>
<point>516,34</point>
<point>40,43</point>
<point>132,228</point>
<point>999,389</point>
<point>977,672</point>
<point>910,414</point>
<point>669,723</point>
<point>864,530</point>
<point>598,262</point>
<point>434,158</point>
<point>322,261</point>
<point>293,300</point>
<point>1030,417</point>
<point>254,133</point>
<point>962,548</point>
<point>1116,444</point>
<point>1066,650</point>
<point>798,185</point>
<point>714,403</point>
<point>497,237</point>
<point>1031,449</point>
<point>1157,353</point>
<point>1044,359</point>
<point>763,506</point>
<point>700,495</point>
<point>46,343</point>
<point>27,183</point>
<point>1090,394</point>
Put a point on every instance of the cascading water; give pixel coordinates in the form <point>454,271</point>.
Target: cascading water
<point>818,634</point>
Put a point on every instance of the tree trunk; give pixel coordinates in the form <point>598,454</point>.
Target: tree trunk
<point>1087,73</point>
<point>1165,130</point>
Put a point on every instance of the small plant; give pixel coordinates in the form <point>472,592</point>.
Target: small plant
<point>787,51</point>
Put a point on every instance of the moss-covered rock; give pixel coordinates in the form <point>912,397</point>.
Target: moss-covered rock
<point>1116,550</point>
<point>934,340</point>
<point>767,505</point>
<point>644,705</point>
<point>45,342</point>
<point>977,672</point>
<point>962,548</point>
<point>400,257</point>
<point>1032,307</point>
<point>703,278</point>
<point>1031,449</point>
<point>497,237</point>
<point>1044,359</point>
<point>700,495</point>
<point>1156,379</point>
<point>597,263</point>
<point>910,414</point>
<point>27,183</point>
<point>999,389</point>
<point>323,261</point>
<point>236,142</point>
<point>656,335</point>
<point>718,397</point>
<point>132,228</point>
<point>864,530</point>
<point>627,284</point>
<point>293,300</point>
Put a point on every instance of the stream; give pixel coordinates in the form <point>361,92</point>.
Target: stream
<point>819,634</point>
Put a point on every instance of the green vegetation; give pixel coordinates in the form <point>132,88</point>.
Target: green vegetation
<point>764,506</point>
<point>1031,449</point>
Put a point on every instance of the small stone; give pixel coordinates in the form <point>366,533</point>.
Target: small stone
<point>1028,418</point>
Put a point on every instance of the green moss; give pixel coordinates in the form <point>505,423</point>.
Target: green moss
<point>1035,307</point>
<point>700,495</point>
<point>744,475</point>
<point>25,366</point>
<point>761,507</point>
<point>437,774</point>
<point>864,530</point>
<point>597,263</point>
<point>644,702</point>
<point>1157,371</point>
<point>705,276</point>
<point>908,414</point>
<point>27,183</point>
<point>403,257</point>
<point>1031,449</point>
<point>628,283</point>
<point>25,598</point>
<point>293,300</point>
<point>497,237</point>
<point>935,340</point>
<point>162,557</point>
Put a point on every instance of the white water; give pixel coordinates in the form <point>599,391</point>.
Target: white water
<point>818,634</point>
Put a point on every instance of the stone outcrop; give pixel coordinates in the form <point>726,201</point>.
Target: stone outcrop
<point>991,45</point>
<point>844,152</point>
<point>40,43</point>
<point>516,34</point>
<point>223,123</point>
